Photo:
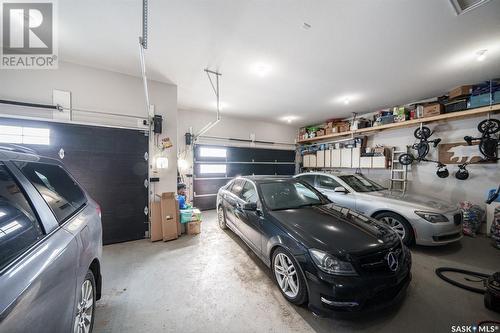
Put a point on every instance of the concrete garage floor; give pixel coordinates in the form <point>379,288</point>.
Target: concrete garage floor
<point>212,282</point>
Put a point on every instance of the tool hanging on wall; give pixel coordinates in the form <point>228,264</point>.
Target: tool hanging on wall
<point>488,145</point>
<point>422,148</point>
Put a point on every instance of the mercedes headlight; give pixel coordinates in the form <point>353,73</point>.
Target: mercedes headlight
<point>330,264</point>
<point>432,217</point>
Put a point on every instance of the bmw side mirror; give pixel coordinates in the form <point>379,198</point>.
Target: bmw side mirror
<point>249,206</point>
<point>340,189</point>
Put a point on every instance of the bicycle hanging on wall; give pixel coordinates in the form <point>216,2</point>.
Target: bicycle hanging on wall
<point>488,145</point>
<point>422,148</point>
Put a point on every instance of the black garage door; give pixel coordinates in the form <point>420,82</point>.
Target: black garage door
<point>108,162</point>
<point>214,166</point>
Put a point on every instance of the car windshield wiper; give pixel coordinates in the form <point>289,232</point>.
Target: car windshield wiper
<point>297,207</point>
<point>310,204</point>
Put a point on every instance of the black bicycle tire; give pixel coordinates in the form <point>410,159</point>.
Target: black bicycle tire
<point>479,126</point>
<point>483,151</point>
<point>418,133</point>
<point>440,270</point>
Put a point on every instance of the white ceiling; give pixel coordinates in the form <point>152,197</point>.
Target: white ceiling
<point>377,53</point>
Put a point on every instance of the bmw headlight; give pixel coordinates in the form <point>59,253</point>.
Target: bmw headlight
<point>330,264</point>
<point>432,217</point>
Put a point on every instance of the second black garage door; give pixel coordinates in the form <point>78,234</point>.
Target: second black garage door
<point>214,166</point>
<point>108,162</point>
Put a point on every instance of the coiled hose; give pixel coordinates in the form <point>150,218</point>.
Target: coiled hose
<point>482,278</point>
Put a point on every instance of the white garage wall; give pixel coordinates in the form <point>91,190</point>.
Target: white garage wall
<point>100,90</point>
<point>237,128</point>
<point>422,176</point>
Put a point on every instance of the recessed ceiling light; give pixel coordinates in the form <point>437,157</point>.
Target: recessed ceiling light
<point>290,119</point>
<point>262,69</point>
<point>481,55</point>
<point>306,26</point>
<point>347,99</point>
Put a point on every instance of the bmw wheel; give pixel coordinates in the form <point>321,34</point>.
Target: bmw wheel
<point>399,224</point>
<point>84,319</point>
<point>289,277</point>
<point>221,218</point>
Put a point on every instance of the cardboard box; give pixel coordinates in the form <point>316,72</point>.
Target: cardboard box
<point>194,228</point>
<point>343,127</point>
<point>320,132</point>
<point>169,208</point>
<point>460,91</point>
<point>156,231</point>
<point>379,150</point>
<point>433,109</point>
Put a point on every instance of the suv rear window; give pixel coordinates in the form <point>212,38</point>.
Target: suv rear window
<point>19,226</point>
<point>58,189</point>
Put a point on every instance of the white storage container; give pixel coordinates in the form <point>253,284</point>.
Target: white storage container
<point>356,155</point>
<point>365,162</point>
<point>312,163</point>
<point>320,159</point>
<point>346,158</point>
<point>379,162</point>
<point>306,161</point>
<point>336,158</point>
<point>328,158</point>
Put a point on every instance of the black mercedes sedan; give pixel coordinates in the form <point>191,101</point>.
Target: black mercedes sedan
<point>322,254</point>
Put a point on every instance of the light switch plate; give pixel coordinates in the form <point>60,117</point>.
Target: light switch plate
<point>63,99</point>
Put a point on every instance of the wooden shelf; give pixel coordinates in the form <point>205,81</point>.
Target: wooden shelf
<point>414,122</point>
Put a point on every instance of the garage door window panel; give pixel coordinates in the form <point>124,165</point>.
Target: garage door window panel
<point>19,226</point>
<point>212,152</point>
<point>61,193</point>
<point>24,135</point>
<point>213,169</point>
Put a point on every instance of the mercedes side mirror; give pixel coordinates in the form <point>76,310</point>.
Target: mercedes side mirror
<point>340,189</point>
<point>249,206</point>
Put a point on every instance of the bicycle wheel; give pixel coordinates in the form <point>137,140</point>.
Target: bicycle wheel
<point>422,133</point>
<point>489,126</point>
<point>406,159</point>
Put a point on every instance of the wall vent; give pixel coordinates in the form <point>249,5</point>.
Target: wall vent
<point>464,6</point>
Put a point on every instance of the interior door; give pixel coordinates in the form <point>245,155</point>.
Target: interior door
<point>327,185</point>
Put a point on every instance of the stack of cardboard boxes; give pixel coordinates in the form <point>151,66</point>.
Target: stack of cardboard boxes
<point>166,221</point>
